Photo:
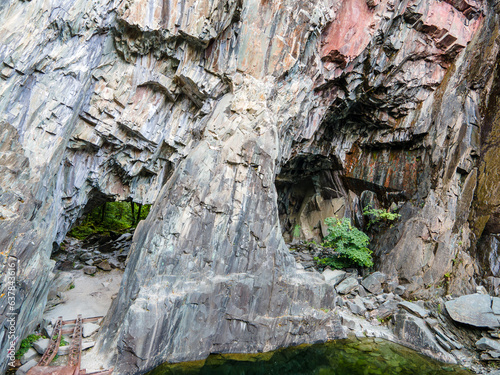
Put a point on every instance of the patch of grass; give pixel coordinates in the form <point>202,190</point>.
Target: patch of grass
<point>296,231</point>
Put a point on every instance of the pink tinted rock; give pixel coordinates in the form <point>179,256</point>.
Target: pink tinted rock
<point>349,34</point>
<point>447,25</point>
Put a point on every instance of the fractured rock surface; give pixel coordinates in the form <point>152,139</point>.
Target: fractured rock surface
<point>240,120</point>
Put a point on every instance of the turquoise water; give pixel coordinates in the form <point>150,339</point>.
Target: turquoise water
<point>341,357</point>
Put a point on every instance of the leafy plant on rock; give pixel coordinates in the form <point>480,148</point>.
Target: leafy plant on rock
<point>378,215</point>
<point>26,344</point>
<point>349,243</point>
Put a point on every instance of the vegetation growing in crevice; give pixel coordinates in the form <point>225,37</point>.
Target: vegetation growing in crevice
<point>115,217</point>
<point>26,344</point>
<point>379,216</point>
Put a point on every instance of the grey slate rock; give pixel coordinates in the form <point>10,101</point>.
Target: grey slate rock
<point>347,286</point>
<point>41,345</point>
<point>362,291</point>
<point>26,367</point>
<point>444,344</point>
<point>414,309</point>
<point>369,304</point>
<point>399,290</point>
<point>356,306</point>
<point>495,306</point>
<point>440,334</point>
<point>431,322</point>
<point>391,286</point>
<point>29,355</point>
<point>413,330</point>
<point>348,323</point>
<point>373,282</point>
<point>89,329</point>
<point>488,344</point>
<point>473,309</point>
<point>104,265</point>
<point>334,277</point>
<point>339,301</point>
<point>90,270</point>
<point>385,310</point>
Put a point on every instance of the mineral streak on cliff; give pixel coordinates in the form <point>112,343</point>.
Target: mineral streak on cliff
<point>197,106</point>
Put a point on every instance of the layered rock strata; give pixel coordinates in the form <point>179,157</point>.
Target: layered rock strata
<point>230,116</point>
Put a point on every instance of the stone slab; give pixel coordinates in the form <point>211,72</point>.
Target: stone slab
<point>347,285</point>
<point>473,309</point>
<point>414,309</point>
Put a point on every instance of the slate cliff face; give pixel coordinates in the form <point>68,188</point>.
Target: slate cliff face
<point>238,120</point>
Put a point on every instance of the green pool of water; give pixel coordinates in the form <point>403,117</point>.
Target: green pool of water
<point>341,357</point>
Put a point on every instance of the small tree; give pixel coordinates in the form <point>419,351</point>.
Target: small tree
<point>350,244</point>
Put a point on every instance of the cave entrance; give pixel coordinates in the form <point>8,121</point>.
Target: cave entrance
<point>310,189</point>
<point>90,261</point>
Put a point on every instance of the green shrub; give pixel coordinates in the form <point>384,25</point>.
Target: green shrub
<point>377,215</point>
<point>350,243</point>
<point>26,344</point>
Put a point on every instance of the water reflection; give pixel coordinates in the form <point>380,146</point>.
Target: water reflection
<point>341,357</point>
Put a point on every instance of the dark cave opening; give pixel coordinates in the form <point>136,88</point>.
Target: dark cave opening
<point>310,188</point>
<point>91,239</point>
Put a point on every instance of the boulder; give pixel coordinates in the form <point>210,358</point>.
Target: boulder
<point>387,309</point>
<point>488,344</point>
<point>373,282</point>
<point>356,306</point>
<point>90,270</point>
<point>399,290</point>
<point>347,286</point>
<point>26,367</point>
<point>473,309</point>
<point>104,265</point>
<point>334,276</point>
<point>29,355</point>
<point>41,345</point>
<point>495,305</point>
<point>362,291</point>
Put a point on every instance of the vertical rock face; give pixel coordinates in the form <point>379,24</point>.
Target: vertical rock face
<point>231,116</point>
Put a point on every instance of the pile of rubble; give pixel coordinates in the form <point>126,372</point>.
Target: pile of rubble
<point>464,330</point>
<point>95,252</point>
